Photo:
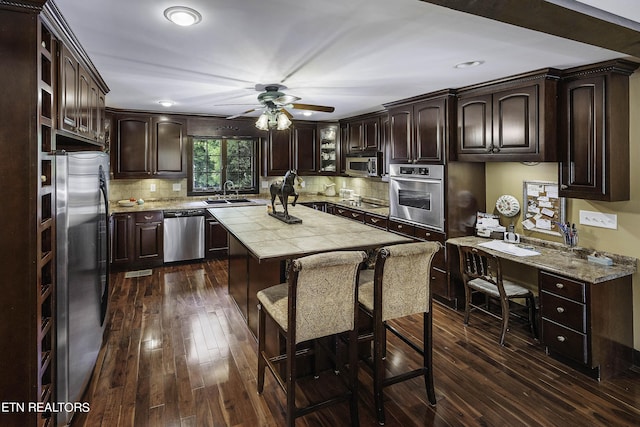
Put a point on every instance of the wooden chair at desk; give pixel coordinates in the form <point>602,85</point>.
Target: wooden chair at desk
<point>398,286</point>
<point>482,273</point>
<point>319,300</point>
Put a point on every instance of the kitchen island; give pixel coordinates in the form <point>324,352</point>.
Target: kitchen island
<point>259,246</point>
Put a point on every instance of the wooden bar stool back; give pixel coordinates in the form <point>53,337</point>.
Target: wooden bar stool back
<point>398,286</point>
<point>482,274</point>
<point>319,300</point>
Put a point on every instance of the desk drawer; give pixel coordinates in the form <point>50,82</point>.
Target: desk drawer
<point>562,286</point>
<point>561,310</point>
<point>564,341</point>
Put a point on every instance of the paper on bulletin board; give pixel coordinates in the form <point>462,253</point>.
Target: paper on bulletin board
<point>544,208</point>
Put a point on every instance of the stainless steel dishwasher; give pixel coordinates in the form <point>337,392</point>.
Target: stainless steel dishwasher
<point>183,235</point>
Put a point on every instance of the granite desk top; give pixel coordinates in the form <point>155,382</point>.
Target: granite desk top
<point>556,258</point>
<point>268,238</point>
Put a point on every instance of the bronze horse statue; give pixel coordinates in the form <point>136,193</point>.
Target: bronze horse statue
<point>283,190</point>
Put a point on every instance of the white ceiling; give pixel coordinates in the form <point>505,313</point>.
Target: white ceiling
<point>354,55</point>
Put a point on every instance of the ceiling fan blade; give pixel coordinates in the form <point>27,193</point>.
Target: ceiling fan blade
<point>320,108</point>
<point>242,114</point>
<point>286,99</point>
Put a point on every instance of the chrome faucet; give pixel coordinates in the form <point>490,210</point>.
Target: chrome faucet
<point>224,187</point>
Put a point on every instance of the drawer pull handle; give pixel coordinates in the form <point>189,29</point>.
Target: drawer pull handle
<point>340,211</point>
<point>427,234</point>
<point>559,285</point>
<point>399,227</point>
<point>560,338</point>
<point>560,309</point>
<point>373,220</point>
<point>354,214</point>
<point>148,217</point>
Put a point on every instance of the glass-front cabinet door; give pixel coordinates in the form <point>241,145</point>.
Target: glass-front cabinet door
<point>328,135</point>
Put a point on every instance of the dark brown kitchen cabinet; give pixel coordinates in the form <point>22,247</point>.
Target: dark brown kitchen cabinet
<point>149,146</point>
<point>419,128</point>
<point>587,324</point>
<point>137,240</point>
<point>306,154</point>
<point>509,120</point>
<point>363,133</point>
<point>216,238</point>
<point>81,106</point>
<point>594,132</point>
<point>122,239</point>
<point>148,239</point>
<point>278,154</point>
<point>328,149</point>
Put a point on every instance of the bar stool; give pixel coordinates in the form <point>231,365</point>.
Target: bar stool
<point>398,286</point>
<point>319,300</point>
<point>482,273</point>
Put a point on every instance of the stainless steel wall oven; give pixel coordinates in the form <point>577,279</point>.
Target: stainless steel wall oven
<point>416,194</point>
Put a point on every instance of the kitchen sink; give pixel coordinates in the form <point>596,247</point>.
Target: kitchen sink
<point>227,201</point>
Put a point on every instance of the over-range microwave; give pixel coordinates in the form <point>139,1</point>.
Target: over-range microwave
<point>364,164</point>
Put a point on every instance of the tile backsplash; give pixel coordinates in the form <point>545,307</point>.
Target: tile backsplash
<point>120,189</point>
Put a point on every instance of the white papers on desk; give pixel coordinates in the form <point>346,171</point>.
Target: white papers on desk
<point>508,248</point>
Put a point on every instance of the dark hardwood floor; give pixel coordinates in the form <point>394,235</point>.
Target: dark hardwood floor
<point>178,353</point>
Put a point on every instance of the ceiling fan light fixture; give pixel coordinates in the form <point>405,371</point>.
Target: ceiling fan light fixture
<point>183,16</point>
<point>469,64</point>
<point>283,121</point>
<point>263,122</point>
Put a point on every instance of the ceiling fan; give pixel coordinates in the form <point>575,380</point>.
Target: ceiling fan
<point>273,101</point>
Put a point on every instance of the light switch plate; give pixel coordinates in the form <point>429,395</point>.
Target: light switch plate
<point>599,219</point>
<point>177,187</point>
<point>265,184</point>
<point>152,188</point>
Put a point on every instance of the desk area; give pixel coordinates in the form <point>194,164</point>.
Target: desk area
<point>586,309</point>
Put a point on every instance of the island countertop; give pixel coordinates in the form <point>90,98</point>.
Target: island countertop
<point>268,238</point>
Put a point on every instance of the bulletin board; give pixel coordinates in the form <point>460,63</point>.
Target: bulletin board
<point>543,208</point>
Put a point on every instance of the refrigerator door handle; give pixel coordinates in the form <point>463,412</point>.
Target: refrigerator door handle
<point>104,261</point>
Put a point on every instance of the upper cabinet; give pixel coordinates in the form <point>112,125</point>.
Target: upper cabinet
<point>594,131</point>
<point>363,133</point>
<point>419,128</point>
<point>308,147</point>
<point>81,100</point>
<point>149,146</point>
<point>509,120</point>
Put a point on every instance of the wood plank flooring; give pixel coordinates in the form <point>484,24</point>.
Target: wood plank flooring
<point>177,353</point>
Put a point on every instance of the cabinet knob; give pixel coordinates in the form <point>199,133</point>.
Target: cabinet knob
<point>563,187</point>
<point>399,226</point>
<point>560,338</point>
<point>559,286</point>
<point>560,309</point>
<point>495,150</point>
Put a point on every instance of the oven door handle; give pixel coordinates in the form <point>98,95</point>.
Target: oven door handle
<point>425,180</point>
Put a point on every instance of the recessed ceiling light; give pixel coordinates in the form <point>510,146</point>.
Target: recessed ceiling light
<point>183,16</point>
<point>166,103</point>
<point>469,64</point>
<point>307,113</point>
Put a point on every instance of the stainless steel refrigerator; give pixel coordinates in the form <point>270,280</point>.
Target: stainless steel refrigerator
<point>82,235</point>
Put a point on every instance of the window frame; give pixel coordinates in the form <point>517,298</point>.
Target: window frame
<point>256,164</point>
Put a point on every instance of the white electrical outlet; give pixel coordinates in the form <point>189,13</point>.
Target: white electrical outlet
<point>152,188</point>
<point>599,219</point>
<point>177,187</point>
<point>265,184</point>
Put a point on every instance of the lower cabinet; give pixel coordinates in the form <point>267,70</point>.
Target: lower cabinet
<point>587,325</point>
<point>215,239</point>
<point>137,240</point>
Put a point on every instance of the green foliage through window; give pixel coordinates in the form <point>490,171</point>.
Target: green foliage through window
<point>217,160</point>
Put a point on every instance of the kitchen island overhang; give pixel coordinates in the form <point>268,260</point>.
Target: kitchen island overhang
<point>259,246</point>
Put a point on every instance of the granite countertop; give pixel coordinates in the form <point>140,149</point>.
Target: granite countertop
<point>557,258</point>
<point>371,206</point>
<point>268,238</point>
